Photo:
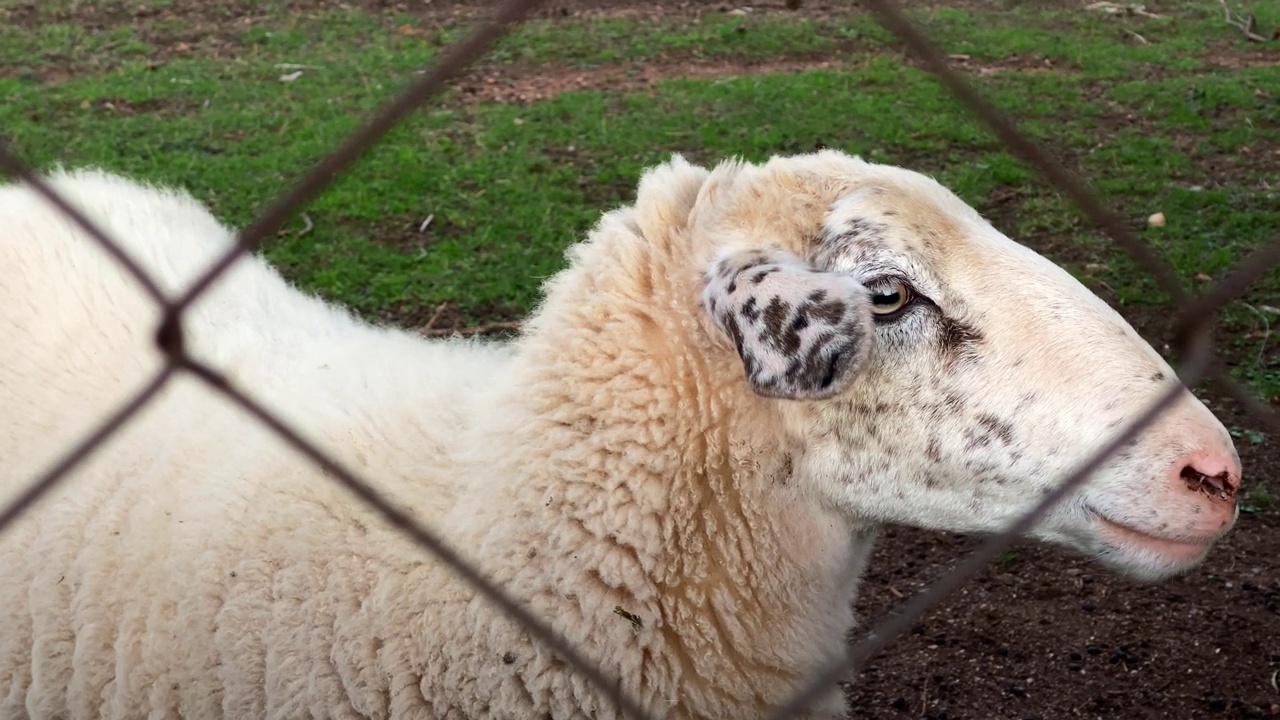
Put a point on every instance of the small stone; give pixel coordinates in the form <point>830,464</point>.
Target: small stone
<point>1156,220</point>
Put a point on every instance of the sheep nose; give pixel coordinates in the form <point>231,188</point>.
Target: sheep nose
<point>1215,474</point>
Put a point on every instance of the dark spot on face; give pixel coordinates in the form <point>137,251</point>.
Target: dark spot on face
<point>784,339</point>
<point>749,309</point>
<point>508,658</point>
<point>1026,401</point>
<point>979,466</point>
<point>775,314</point>
<point>872,430</point>
<point>853,233</point>
<point>864,228</point>
<point>828,312</point>
<point>957,341</point>
<point>933,449</point>
<point>734,331</point>
<point>760,276</point>
<point>819,368</point>
<point>997,427</point>
<point>1158,376</point>
<point>976,440</point>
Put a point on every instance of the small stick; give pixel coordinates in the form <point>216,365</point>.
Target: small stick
<point>1243,24</point>
<point>435,316</point>
<point>1141,40</point>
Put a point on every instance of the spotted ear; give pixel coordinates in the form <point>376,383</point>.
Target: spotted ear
<point>800,332</point>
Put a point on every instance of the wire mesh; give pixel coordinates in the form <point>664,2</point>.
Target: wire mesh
<point>1192,343</point>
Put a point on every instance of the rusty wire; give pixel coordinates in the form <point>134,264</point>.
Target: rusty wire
<point>1192,342</point>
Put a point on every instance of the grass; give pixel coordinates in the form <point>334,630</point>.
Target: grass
<point>1181,125</point>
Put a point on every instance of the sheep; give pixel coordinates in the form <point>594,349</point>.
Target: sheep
<point>680,464</point>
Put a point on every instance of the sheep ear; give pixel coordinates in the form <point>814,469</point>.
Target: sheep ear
<point>800,332</point>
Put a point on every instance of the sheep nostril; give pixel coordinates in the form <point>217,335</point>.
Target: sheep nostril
<point>1220,486</point>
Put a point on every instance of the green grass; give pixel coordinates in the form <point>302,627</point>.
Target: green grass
<point>198,101</point>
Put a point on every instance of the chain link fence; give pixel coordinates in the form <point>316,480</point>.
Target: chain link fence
<point>1191,342</point>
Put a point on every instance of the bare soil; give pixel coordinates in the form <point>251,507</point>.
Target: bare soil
<point>1041,634</point>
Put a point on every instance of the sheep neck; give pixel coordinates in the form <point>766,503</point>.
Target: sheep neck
<point>643,474</point>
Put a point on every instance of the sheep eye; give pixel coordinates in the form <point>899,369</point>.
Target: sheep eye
<point>890,298</point>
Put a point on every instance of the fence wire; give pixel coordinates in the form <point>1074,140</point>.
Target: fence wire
<point>1191,342</point>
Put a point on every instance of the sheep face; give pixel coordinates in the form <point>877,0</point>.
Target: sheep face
<point>936,373</point>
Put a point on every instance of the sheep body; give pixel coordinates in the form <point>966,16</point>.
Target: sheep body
<point>196,567</point>
<point>680,465</point>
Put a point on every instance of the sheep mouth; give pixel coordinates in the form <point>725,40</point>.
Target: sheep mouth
<point>1128,537</point>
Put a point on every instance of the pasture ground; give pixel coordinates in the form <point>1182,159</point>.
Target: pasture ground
<point>1176,114</point>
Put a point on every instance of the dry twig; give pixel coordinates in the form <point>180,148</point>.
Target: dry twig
<point>1132,10</point>
<point>1141,40</point>
<point>1247,24</point>
<point>435,316</point>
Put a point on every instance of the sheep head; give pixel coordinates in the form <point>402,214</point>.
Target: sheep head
<point>936,373</point>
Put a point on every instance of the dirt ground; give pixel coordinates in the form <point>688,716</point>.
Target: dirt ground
<point>1042,634</point>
